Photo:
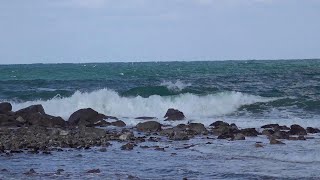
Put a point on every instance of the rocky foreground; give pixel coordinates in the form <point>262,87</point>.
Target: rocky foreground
<point>31,130</point>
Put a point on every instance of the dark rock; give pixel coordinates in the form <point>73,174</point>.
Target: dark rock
<point>258,145</point>
<point>101,123</point>
<point>267,132</point>
<point>126,136</point>
<point>6,120</point>
<point>118,123</point>
<point>86,117</point>
<point>219,123</point>
<point>159,149</point>
<point>5,107</point>
<point>31,109</point>
<point>59,171</point>
<point>103,149</point>
<point>93,171</point>
<point>30,172</point>
<point>249,132</point>
<point>297,130</point>
<point>174,115</point>
<point>272,126</point>
<point>149,126</point>
<point>274,141</point>
<point>179,136</point>
<point>239,136</point>
<point>145,118</point>
<point>226,136</point>
<point>128,146</point>
<point>313,130</point>
<point>280,135</point>
<point>4,170</point>
<point>197,128</point>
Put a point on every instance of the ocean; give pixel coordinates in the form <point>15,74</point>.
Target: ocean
<point>248,93</point>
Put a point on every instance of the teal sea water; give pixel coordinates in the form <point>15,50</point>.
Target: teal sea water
<point>282,89</point>
<point>248,93</point>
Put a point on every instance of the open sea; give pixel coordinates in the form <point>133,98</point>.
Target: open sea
<point>247,93</point>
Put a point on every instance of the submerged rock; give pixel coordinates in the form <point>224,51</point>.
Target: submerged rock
<point>274,141</point>
<point>93,171</point>
<point>118,123</point>
<point>149,126</point>
<point>30,172</point>
<point>128,146</point>
<point>174,115</point>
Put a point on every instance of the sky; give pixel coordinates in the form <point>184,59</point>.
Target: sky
<point>57,31</point>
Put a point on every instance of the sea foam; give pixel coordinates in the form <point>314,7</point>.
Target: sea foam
<point>110,102</point>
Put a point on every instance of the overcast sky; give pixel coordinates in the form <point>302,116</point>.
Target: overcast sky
<point>48,31</point>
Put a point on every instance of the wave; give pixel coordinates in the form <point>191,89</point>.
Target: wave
<point>110,102</point>
<point>176,86</point>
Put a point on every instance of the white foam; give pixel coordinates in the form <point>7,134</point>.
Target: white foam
<point>110,103</point>
<point>175,86</point>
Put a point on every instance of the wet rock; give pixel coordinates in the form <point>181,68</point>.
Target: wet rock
<point>126,136</point>
<point>280,135</point>
<point>145,118</point>
<point>5,107</point>
<point>101,123</point>
<point>21,120</point>
<point>91,132</point>
<point>267,132</point>
<point>258,145</point>
<point>159,149</point>
<point>249,132</point>
<point>63,133</point>
<point>226,136</point>
<point>118,123</point>
<point>86,117</point>
<point>103,149</point>
<point>272,126</point>
<point>59,171</point>
<point>174,115</point>
<point>197,128</point>
<point>275,141</point>
<point>6,120</point>
<point>149,126</point>
<point>297,130</point>
<point>128,146</point>
<point>93,171</point>
<point>179,136</point>
<point>30,172</point>
<point>297,138</point>
<point>219,123</point>
<point>313,130</point>
<point>239,136</point>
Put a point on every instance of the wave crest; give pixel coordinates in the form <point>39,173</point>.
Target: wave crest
<point>111,103</point>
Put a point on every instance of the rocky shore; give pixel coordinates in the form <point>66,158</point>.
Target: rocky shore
<point>31,130</point>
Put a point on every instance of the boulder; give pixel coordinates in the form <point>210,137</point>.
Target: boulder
<point>128,146</point>
<point>30,110</point>
<point>149,126</point>
<point>219,123</point>
<point>118,123</point>
<point>5,107</point>
<point>197,128</point>
<point>239,136</point>
<point>249,132</point>
<point>93,171</point>
<point>297,130</point>
<point>280,135</point>
<point>267,132</point>
<point>274,141</point>
<point>272,126</point>
<point>179,136</point>
<point>174,115</point>
<point>6,120</point>
<point>313,130</point>
<point>87,117</point>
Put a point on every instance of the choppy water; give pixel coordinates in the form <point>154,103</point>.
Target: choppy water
<point>248,93</point>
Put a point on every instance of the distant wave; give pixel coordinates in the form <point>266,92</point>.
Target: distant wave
<point>175,86</point>
<point>111,103</point>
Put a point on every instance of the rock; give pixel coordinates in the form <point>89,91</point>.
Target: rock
<point>128,146</point>
<point>101,123</point>
<point>274,141</point>
<point>280,135</point>
<point>149,126</point>
<point>179,136</point>
<point>174,115</point>
<point>249,132</point>
<point>5,107</point>
<point>21,120</point>
<point>93,171</point>
<point>118,123</point>
<point>267,132</point>
<point>226,136</point>
<point>59,171</point>
<point>30,172</point>
<point>103,149</point>
<point>92,132</point>
<point>272,126</point>
<point>258,145</point>
<point>297,130</point>
<point>239,136</point>
<point>159,149</point>
<point>313,130</point>
<point>126,136</point>
<point>63,133</point>
<point>197,128</point>
<point>87,117</point>
<point>219,123</point>
<point>145,118</point>
<point>31,109</point>
<point>6,120</point>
